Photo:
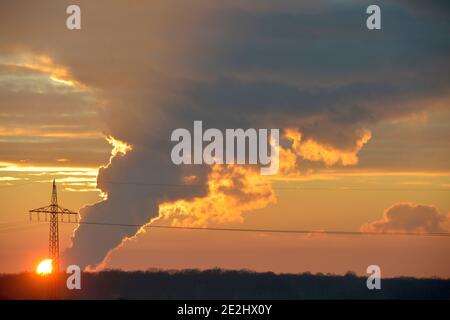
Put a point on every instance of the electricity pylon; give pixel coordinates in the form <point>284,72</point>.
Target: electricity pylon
<point>56,212</point>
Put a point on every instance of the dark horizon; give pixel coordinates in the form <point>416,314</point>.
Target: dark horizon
<point>222,284</point>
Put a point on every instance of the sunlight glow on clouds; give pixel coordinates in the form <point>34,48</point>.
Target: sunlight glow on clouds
<point>232,189</point>
<point>42,64</point>
<point>314,151</point>
<point>310,150</point>
<point>119,147</point>
<point>11,167</point>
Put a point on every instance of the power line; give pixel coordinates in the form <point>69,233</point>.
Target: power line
<point>286,231</point>
<point>11,223</point>
<point>19,228</point>
<point>334,232</point>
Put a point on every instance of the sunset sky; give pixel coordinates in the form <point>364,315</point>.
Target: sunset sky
<point>364,119</point>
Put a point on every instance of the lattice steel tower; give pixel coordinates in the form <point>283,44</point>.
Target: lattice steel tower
<point>56,212</point>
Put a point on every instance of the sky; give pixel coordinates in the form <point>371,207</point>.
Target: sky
<point>363,118</point>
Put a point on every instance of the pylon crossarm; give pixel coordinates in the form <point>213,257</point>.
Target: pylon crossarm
<point>42,209</point>
<point>66,211</point>
<point>53,209</point>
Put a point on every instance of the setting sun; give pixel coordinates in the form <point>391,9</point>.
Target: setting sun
<point>44,267</point>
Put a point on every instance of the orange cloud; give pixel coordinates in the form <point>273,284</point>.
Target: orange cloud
<point>13,167</point>
<point>119,147</point>
<point>312,150</point>
<point>408,217</point>
<point>45,65</point>
<point>232,190</point>
<point>39,132</point>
